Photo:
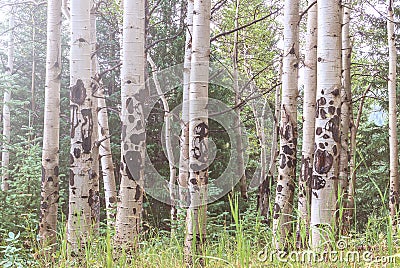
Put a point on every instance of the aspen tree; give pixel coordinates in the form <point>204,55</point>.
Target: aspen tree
<point>82,135</point>
<point>51,129</point>
<point>288,127</point>
<point>310,91</point>
<point>5,154</point>
<point>198,131</point>
<point>393,144</point>
<point>129,209</point>
<point>327,123</point>
<point>183,177</point>
<point>346,113</point>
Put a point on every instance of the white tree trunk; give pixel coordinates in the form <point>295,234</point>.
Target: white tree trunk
<point>393,145</point>
<point>198,130</point>
<point>105,154</point>
<point>5,154</point>
<point>65,9</point>
<point>51,130</point>
<point>133,135</point>
<point>168,146</point>
<point>327,124</point>
<point>346,114</point>
<point>94,194</point>
<point>81,153</point>
<point>288,129</point>
<point>183,177</point>
<point>267,173</point>
<point>310,91</point>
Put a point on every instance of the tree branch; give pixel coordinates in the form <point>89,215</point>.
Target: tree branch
<point>164,39</point>
<point>244,26</point>
<point>305,11</point>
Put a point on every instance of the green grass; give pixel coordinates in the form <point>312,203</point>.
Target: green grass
<point>246,242</point>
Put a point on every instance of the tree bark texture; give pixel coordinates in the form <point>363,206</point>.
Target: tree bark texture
<point>51,130</point>
<point>288,129</point>
<point>198,131</point>
<point>5,154</point>
<point>310,91</point>
<point>133,135</point>
<point>393,144</point>
<point>327,124</point>
<point>82,172</point>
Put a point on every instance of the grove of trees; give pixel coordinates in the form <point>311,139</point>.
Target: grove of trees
<point>192,133</point>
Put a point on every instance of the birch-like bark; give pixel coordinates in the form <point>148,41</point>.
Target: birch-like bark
<point>105,153</point>
<point>5,154</point>
<point>345,116</point>
<point>183,177</point>
<point>264,189</point>
<point>51,129</point>
<point>65,9</point>
<point>168,146</point>
<point>198,132</point>
<point>393,144</point>
<point>237,125</point>
<point>106,161</point>
<point>94,193</point>
<point>310,91</point>
<point>327,124</point>
<point>133,135</point>
<point>267,175</point>
<point>81,153</point>
<point>288,129</point>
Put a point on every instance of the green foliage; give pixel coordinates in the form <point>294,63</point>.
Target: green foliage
<point>19,206</point>
<point>12,255</point>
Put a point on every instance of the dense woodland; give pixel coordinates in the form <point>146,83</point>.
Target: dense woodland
<point>189,133</point>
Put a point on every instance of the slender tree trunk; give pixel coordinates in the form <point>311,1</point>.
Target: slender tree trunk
<point>103,145</point>
<point>94,194</point>
<point>50,152</point>
<point>5,154</point>
<point>327,124</point>
<point>133,137</point>
<point>65,9</point>
<point>345,116</point>
<point>183,177</point>
<point>353,144</point>
<point>393,145</point>
<point>310,91</point>
<point>264,191</point>
<point>105,155</point>
<point>82,136</point>
<point>288,129</point>
<point>198,132</point>
<point>169,149</point>
<point>267,176</point>
<point>237,125</point>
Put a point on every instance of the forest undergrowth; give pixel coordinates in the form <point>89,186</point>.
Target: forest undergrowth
<point>235,239</point>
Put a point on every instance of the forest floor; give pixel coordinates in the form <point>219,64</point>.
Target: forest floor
<point>229,248</point>
<point>234,239</point>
